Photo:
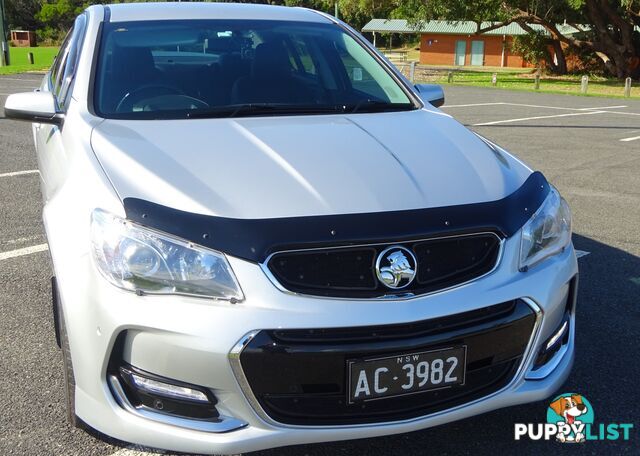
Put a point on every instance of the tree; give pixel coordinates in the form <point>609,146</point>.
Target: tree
<point>536,46</point>
<point>20,14</point>
<point>355,12</point>
<point>59,14</point>
<point>604,27</point>
<point>56,17</point>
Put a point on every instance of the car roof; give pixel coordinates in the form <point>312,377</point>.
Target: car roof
<point>123,12</point>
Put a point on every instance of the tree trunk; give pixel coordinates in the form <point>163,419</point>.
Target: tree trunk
<point>559,64</point>
<point>614,61</point>
<point>614,42</point>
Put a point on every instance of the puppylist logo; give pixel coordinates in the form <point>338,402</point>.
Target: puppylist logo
<point>570,419</point>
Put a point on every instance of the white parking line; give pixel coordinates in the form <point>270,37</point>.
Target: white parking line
<point>581,253</point>
<point>526,105</point>
<point>24,251</point>
<point>562,108</point>
<point>623,113</point>
<point>633,138</point>
<point>521,119</point>
<point>21,240</point>
<point>603,107</point>
<point>19,173</point>
<point>506,103</point>
<point>133,451</point>
<point>473,104</point>
<point>22,79</point>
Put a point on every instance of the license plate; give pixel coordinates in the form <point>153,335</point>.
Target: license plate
<point>409,373</point>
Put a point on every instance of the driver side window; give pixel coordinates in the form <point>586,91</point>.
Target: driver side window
<point>58,64</point>
<point>64,68</point>
<point>71,63</point>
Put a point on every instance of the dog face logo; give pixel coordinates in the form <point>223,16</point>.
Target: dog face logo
<point>570,419</point>
<point>396,267</point>
<point>570,412</point>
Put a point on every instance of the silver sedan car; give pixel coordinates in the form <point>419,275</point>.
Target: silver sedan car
<point>262,235</point>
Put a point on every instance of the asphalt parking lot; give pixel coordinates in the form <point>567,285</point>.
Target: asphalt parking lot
<point>588,147</point>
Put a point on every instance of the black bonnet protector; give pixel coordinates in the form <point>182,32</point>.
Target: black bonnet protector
<point>256,239</point>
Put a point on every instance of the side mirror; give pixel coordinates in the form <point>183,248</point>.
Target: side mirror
<point>37,107</point>
<point>431,93</point>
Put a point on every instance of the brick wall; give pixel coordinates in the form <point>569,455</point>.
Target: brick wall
<point>438,49</point>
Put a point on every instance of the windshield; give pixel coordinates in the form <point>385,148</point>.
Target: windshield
<point>233,68</point>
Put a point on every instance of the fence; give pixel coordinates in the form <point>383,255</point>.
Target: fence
<point>421,73</point>
<point>396,56</point>
<point>428,74</point>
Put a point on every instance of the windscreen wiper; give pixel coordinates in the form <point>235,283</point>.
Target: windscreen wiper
<point>369,105</point>
<point>261,108</point>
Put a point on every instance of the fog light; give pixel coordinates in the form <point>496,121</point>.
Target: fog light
<point>147,391</point>
<point>553,339</point>
<point>553,344</point>
<point>166,389</point>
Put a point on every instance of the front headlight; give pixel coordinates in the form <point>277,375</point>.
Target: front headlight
<point>146,261</point>
<point>546,233</point>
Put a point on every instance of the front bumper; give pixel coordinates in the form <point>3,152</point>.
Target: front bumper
<point>191,340</point>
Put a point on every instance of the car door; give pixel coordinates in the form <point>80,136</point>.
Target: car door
<point>49,148</point>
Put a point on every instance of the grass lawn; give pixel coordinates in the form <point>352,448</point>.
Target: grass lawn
<point>413,54</point>
<point>42,56</point>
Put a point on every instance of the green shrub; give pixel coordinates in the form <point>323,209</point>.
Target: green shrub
<point>49,36</point>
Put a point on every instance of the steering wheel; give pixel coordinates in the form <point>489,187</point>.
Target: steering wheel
<point>128,100</point>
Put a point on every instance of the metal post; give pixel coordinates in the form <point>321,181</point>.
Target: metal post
<point>494,79</point>
<point>536,84</point>
<point>412,72</point>
<point>30,57</point>
<point>4,57</point>
<point>584,84</point>
<point>627,87</point>
<point>335,10</point>
<point>450,77</point>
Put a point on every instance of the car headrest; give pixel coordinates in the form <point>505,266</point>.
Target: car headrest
<point>133,63</point>
<point>271,60</point>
